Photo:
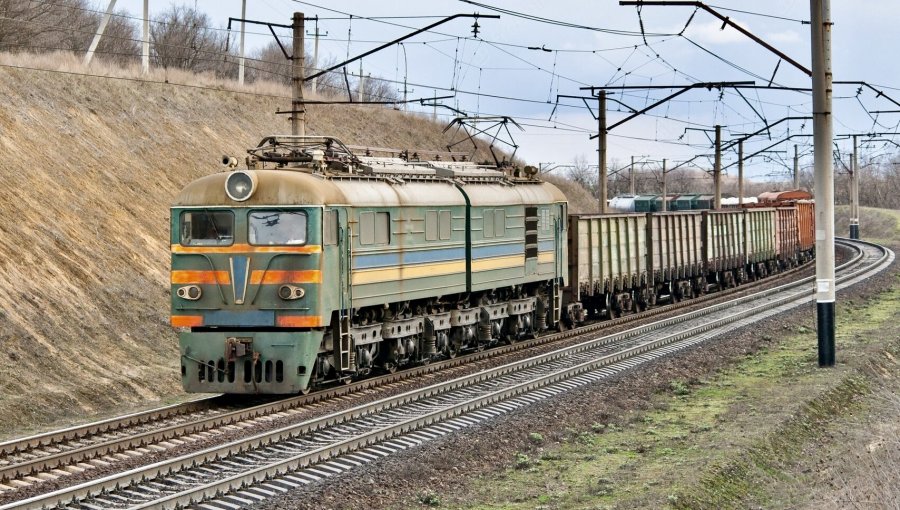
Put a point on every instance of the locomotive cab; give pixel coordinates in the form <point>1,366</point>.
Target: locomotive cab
<point>246,289</point>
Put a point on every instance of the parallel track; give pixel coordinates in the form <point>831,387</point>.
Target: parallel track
<point>23,462</point>
<point>254,468</point>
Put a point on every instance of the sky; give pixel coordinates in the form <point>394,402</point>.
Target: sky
<point>518,66</point>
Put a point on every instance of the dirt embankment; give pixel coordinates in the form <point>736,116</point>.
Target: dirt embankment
<point>89,167</point>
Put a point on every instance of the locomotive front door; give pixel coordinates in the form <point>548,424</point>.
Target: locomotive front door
<point>343,346</point>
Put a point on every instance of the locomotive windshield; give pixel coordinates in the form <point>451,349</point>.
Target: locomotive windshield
<point>277,227</point>
<point>207,228</point>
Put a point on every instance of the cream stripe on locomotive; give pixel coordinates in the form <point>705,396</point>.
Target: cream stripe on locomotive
<point>391,274</point>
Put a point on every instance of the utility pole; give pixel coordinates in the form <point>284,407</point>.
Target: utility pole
<point>434,107</point>
<point>96,41</point>
<point>717,171</point>
<point>360,93</point>
<point>601,149</point>
<point>854,193</point>
<point>298,109</point>
<point>665,195</point>
<point>243,26</point>
<point>631,175</point>
<point>823,135</point>
<point>145,43</point>
<point>315,64</point>
<point>796,168</point>
<point>740,173</point>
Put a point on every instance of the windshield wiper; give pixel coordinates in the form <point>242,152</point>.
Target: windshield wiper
<point>212,222</point>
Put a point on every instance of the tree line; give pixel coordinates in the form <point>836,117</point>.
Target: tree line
<point>181,37</point>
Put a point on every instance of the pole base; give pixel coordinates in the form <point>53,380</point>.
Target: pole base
<point>825,323</point>
<point>854,231</point>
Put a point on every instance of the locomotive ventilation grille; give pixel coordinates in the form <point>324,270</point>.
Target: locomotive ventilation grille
<point>221,371</point>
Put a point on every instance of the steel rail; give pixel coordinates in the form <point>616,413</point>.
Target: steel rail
<point>42,463</point>
<point>116,481</point>
<point>102,426</point>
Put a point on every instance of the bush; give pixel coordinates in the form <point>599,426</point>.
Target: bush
<point>429,498</point>
<point>679,388</point>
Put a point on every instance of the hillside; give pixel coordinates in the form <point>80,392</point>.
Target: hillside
<point>90,166</point>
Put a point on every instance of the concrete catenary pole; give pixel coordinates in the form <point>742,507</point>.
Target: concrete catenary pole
<point>740,173</point>
<point>298,109</point>
<point>96,41</point>
<point>315,64</point>
<point>854,192</point>
<point>717,171</point>
<point>601,150</point>
<point>796,169</point>
<point>145,40</point>
<point>361,92</point>
<point>820,29</point>
<point>631,175</point>
<point>243,27</point>
<point>665,193</point>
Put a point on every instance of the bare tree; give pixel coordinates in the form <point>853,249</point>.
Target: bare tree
<point>40,26</point>
<point>270,63</point>
<point>183,38</point>
<point>585,175</point>
<point>21,21</point>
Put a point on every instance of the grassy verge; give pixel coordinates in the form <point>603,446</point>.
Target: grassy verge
<point>739,439</point>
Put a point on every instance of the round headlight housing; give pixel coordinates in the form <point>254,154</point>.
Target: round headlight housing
<point>240,185</point>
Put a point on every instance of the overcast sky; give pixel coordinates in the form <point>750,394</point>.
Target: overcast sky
<point>497,74</point>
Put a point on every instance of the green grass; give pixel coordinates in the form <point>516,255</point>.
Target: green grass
<point>880,226</point>
<point>717,444</point>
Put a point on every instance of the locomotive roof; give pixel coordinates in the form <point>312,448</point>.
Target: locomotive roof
<point>321,170</point>
<point>286,187</point>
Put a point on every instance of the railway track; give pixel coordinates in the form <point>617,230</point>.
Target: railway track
<point>46,457</point>
<point>246,471</point>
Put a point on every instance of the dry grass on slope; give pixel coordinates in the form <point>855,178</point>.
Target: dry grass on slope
<point>90,166</point>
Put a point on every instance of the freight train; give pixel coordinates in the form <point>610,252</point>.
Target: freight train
<point>317,264</point>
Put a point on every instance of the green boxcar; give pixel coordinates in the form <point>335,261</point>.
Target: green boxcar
<point>645,203</point>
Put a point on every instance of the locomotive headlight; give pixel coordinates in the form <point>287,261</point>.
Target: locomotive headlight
<point>189,292</point>
<point>239,186</point>
<point>290,292</point>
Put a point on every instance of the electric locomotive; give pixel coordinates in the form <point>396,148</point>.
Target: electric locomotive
<point>318,264</point>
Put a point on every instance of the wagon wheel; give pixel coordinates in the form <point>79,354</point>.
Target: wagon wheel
<point>610,307</point>
<point>636,304</point>
<point>675,292</point>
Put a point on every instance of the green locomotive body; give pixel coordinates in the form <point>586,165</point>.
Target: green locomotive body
<point>328,265</point>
